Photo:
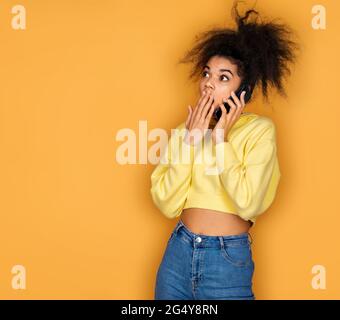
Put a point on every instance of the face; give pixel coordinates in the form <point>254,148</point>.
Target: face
<point>220,77</point>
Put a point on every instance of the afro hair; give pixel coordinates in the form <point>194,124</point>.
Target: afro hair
<point>263,51</point>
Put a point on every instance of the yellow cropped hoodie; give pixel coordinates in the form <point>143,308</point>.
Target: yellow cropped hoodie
<point>239,176</point>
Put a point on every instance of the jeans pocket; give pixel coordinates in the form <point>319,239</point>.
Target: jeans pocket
<point>238,255</point>
<point>172,236</point>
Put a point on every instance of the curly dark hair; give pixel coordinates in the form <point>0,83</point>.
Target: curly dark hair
<point>262,51</point>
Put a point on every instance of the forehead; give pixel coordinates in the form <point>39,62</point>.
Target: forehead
<point>218,63</point>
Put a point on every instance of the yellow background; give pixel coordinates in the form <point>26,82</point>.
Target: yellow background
<point>85,226</point>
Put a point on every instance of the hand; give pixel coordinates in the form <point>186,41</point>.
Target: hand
<point>226,121</point>
<point>199,119</point>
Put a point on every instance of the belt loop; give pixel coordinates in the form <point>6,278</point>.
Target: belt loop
<point>178,225</point>
<point>251,239</point>
<point>221,241</point>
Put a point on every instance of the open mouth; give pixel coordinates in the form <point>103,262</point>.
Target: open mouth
<point>214,116</point>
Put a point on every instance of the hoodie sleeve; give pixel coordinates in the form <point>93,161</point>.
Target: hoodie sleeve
<point>250,182</point>
<point>170,180</point>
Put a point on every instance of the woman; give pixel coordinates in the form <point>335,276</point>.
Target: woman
<point>209,255</point>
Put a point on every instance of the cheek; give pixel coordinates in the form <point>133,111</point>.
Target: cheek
<point>222,94</point>
<point>202,86</point>
<point>218,97</point>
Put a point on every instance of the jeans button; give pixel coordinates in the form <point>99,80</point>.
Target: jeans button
<point>198,239</point>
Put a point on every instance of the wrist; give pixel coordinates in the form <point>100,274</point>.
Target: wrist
<point>192,138</point>
<point>186,139</point>
<point>220,136</point>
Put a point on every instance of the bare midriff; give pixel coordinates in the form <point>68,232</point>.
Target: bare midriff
<point>214,223</point>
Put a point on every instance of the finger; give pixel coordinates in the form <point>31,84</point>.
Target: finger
<point>243,94</point>
<point>221,124</point>
<point>232,108</point>
<point>240,107</point>
<point>206,108</point>
<point>192,120</point>
<point>222,119</point>
<point>188,116</point>
<point>209,115</point>
<point>236,99</point>
<point>226,120</point>
<point>227,116</point>
<point>224,115</point>
<point>187,123</point>
<point>207,100</point>
<point>203,98</point>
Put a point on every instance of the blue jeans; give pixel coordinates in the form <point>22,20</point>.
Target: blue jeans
<point>198,267</point>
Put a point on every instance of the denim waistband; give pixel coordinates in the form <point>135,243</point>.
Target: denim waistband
<point>201,240</point>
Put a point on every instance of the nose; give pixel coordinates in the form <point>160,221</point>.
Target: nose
<point>209,88</point>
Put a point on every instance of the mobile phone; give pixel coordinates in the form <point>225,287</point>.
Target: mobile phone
<point>243,87</point>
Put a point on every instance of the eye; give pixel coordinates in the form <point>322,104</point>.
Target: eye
<point>203,73</point>
<point>225,77</point>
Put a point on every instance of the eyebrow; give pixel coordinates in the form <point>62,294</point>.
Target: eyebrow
<point>221,70</point>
